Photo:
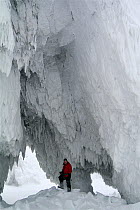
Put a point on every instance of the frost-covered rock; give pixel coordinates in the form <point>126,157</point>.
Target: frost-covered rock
<point>79,79</point>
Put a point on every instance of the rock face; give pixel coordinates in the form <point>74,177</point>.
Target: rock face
<point>69,83</point>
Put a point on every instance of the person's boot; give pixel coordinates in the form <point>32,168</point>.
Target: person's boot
<point>61,185</point>
<point>68,189</point>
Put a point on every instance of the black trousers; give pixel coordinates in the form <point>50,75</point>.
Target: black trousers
<point>68,179</point>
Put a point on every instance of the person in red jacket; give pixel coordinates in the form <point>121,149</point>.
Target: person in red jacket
<point>65,174</point>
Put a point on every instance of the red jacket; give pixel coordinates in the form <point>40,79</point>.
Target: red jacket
<point>67,169</point>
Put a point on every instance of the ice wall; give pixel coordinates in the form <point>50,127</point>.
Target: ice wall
<point>6,37</point>
<point>79,79</point>
<point>10,121</point>
<point>10,125</point>
<point>116,87</point>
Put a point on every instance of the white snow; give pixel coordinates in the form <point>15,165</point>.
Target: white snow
<point>55,199</point>
<point>27,171</point>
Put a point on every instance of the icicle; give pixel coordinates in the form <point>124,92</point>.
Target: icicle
<point>7,42</point>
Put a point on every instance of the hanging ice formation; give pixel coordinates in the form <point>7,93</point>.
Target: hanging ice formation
<point>69,87</point>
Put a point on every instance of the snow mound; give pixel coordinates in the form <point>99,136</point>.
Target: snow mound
<point>53,199</point>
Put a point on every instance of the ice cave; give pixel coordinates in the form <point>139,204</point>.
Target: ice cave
<point>70,87</point>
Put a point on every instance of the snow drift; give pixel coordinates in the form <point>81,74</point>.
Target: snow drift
<point>70,88</point>
<point>59,199</point>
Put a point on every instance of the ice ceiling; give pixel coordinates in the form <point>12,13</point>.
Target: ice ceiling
<point>70,87</point>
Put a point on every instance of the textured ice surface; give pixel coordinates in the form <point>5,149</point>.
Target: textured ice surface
<point>60,199</point>
<point>10,121</point>
<point>79,67</point>
<point>6,37</point>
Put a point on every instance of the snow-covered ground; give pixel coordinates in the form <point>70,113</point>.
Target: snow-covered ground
<point>55,199</point>
<point>29,180</point>
<point>59,199</point>
<point>13,193</point>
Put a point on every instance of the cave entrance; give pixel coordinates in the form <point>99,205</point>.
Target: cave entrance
<point>28,178</point>
<point>25,179</point>
<point>99,186</point>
